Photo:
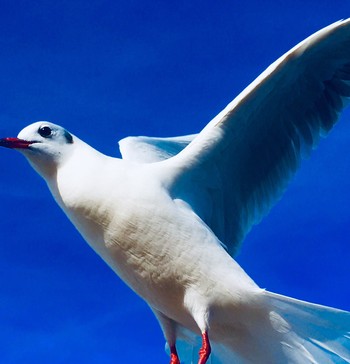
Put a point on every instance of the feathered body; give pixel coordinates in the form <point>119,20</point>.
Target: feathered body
<point>151,241</point>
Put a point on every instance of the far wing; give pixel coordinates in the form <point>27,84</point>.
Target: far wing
<point>149,149</point>
<point>240,164</point>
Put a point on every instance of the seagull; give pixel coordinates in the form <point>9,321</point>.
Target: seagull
<point>169,217</point>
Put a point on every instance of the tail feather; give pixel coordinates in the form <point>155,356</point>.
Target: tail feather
<point>323,331</point>
<point>295,332</point>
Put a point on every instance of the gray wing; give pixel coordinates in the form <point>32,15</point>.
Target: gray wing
<point>150,149</point>
<point>240,164</point>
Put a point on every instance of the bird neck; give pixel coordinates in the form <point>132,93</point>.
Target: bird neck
<point>80,177</point>
<point>79,187</point>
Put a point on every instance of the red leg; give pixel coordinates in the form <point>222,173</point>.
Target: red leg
<point>174,358</point>
<point>205,350</point>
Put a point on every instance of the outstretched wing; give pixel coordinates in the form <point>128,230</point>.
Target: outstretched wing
<point>144,149</point>
<point>240,164</point>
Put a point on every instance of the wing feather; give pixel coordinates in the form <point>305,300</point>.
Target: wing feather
<point>144,149</point>
<point>241,162</point>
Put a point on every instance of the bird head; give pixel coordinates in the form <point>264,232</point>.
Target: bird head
<point>44,144</point>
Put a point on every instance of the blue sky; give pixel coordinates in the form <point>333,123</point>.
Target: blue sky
<point>109,69</point>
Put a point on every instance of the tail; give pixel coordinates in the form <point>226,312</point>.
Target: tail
<point>321,334</point>
<point>289,332</point>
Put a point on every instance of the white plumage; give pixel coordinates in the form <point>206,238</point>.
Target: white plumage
<point>165,216</point>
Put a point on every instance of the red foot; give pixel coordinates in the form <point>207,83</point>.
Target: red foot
<point>174,358</point>
<point>205,350</point>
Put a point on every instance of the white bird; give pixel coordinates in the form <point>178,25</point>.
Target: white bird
<point>168,216</point>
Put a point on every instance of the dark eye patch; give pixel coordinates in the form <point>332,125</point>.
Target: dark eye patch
<point>68,137</point>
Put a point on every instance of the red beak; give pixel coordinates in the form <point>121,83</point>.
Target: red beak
<point>15,143</point>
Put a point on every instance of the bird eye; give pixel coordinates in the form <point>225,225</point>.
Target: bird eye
<point>45,131</point>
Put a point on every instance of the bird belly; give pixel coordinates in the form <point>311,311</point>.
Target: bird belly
<point>164,253</point>
<point>172,263</point>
